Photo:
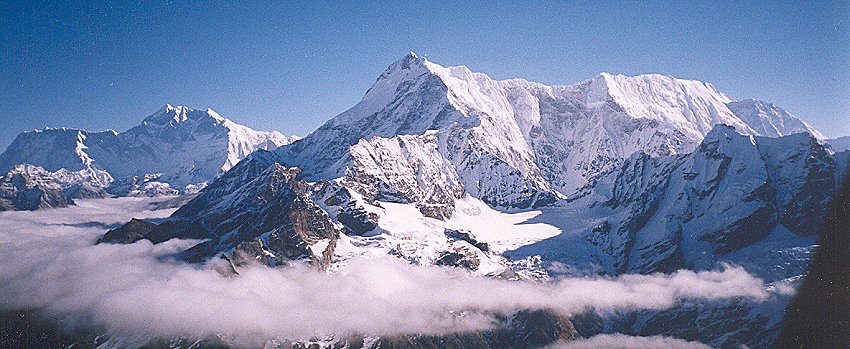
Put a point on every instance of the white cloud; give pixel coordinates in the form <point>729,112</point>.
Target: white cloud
<point>133,289</point>
<point>621,341</point>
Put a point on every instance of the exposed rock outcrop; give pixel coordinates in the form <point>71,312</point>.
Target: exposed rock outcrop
<point>130,232</point>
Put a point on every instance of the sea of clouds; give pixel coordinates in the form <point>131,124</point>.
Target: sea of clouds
<point>50,263</point>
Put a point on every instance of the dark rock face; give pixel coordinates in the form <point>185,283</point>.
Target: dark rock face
<point>537,328</point>
<point>172,202</point>
<point>810,176</point>
<point>357,221</point>
<point>453,341</point>
<point>245,171</point>
<point>465,251</point>
<point>28,187</point>
<point>459,257</point>
<point>727,324</point>
<point>465,235</point>
<point>351,215</point>
<point>436,211</point>
<point>743,232</point>
<point>132,231</point>
<point>819,315</point>
<point>271,219</point>
<point>29,329</point>
<point>250,253</point>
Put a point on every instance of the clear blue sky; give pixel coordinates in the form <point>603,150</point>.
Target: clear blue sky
<point>290,66</point>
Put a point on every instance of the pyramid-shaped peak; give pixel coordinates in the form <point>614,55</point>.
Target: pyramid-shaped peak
<point>169,114</point>
<point>412,58</point>
<point>406,63</point>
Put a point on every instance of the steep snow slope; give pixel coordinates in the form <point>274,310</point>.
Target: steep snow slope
<point>516,143</point>
<point>691,106</point>
<point>180,145</point>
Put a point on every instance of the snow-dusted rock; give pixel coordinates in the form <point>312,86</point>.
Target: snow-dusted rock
<point>272,219</point>
<point>405,169</point>
<point>149,185</point>
<point>740,199</point>
<point>687,211</point>
<point>28,187</point>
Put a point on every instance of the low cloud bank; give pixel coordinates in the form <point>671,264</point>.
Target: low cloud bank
<point>50,263</point>
<point>621,341</point>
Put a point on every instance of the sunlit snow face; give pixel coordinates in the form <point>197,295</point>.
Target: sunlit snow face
<point>51,263</point>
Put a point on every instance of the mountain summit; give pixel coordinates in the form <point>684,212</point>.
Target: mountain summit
<point>515,143</point>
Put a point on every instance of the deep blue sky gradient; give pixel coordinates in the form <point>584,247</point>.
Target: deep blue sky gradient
<point>290,66</point>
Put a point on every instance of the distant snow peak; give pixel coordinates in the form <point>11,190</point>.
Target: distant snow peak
<point>171,115</point>
<point>769,120</point>
<point>184,146</point>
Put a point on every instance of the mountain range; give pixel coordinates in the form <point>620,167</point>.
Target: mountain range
<point>508,179</point>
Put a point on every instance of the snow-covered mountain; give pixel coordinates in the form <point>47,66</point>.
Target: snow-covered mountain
<point>514,179</point>
<point>178,145</point>
<point>428,137</point>
<point>751,201</point>
<point>514,143</point>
